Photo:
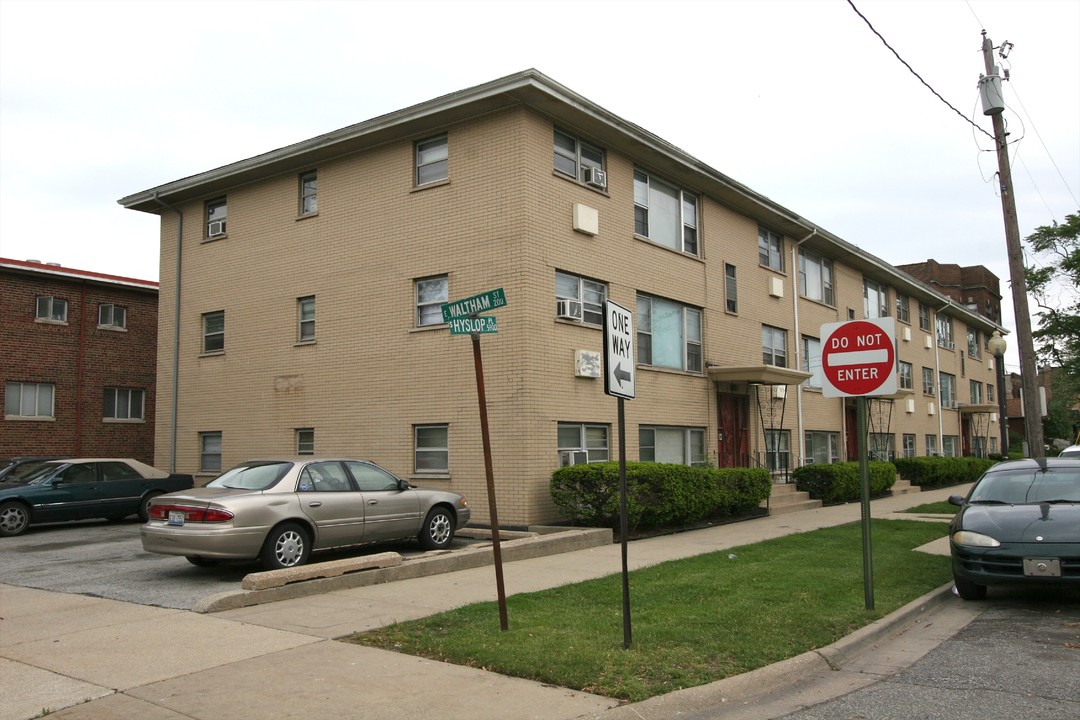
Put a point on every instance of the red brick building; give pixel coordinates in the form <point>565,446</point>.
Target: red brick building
<point>78,357</point>
<point>973,287</point>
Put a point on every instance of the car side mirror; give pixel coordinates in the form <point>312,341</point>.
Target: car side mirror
<point>957,500</point>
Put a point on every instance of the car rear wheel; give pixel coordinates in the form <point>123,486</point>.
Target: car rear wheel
<point>286,546</point>
<point>969,590</point>
<point>14,519</point>
<point>144,506</point>
<point>438,530</point>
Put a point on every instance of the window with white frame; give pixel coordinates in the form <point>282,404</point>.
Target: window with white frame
<point>903,376</point>
<point>665,214</point>
<point>976,389</point>
<point>590,293</point>
<point>573,156</point>
<point>815,277</point>
<point>770,249</point>
<point>903,308</point>
<point>309,193</point>
<point>950,445</point>
<point>431,448</point>
<point>112,316</point>
<point>944,333</point>
<point>213,328</point>
<point>305,441</point>
<point>217,213</point>
<point>51,309</point>
<point>928,381</point>
<point>431,294</point>
<point>909,445</point>
<point>305,319</point>
<point>990,393</point>
<point>677,445</point>
<point>811,361</point>
<point>432,160</point>
<point>931,445</point>
<point>993,445</point>
<point>924,317</point>
<point>773,346</point>
<point>974,347</point>
<point>124,404</point>
<point>777,450</point>
<point>822,448</point>
<point>875,299</point>
<point>882,446</point>
<point>209,452</point>
<point>29,400</point>
<point>947,383</point>
<point>668,334</point>
<point>590,438</point>
<point>731,289</point>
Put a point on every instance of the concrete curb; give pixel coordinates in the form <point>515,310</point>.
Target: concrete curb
<point>521,547</point>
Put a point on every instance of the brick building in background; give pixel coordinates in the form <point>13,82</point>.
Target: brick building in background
<point>78,360</point>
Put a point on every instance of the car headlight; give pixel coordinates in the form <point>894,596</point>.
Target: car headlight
<point>974,539</point>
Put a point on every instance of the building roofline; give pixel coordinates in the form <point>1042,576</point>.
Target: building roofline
<point>38,268</point>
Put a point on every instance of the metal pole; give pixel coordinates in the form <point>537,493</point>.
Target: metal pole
<point>495,544</point>
<point>624,525</point>
<point>1001,406</point>
<point>864,476</point>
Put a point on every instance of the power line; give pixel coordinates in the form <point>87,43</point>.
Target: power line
<point>936,93</point>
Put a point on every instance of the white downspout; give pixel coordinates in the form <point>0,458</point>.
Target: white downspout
<point>798,343</point>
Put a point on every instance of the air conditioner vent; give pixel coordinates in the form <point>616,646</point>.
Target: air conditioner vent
<point>215,228</point>
<point>595,177</point>
<point>568,309</point>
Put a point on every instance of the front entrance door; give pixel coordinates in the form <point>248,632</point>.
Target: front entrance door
<point>732,442</point>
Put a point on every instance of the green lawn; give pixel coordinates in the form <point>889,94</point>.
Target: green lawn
<point>693,621</point>
<point>941,508</point>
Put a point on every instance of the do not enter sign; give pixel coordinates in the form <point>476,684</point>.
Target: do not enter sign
<point>858,357</point>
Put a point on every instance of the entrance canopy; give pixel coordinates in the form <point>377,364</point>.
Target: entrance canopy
<point>759,375</point>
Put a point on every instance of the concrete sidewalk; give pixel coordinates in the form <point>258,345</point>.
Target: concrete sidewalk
<point>107,659</point>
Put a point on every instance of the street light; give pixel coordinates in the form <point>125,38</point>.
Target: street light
<point>996,345</point>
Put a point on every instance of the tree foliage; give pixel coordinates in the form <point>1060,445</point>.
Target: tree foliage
<point>1055,286</point>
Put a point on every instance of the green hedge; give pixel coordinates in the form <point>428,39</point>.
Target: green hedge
<point>931,472</point>
<point>658,494</point>
<point>839,482</point>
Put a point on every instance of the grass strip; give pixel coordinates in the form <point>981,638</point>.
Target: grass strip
<point>694,620</point>
<point>935,508</point>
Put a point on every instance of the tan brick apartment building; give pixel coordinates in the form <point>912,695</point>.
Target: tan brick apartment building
<point>78,362</point>
<point>309,282</point>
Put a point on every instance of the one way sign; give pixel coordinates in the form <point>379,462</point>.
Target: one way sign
<point>618,351</point>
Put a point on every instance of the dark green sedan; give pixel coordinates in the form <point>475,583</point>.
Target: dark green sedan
<point>1019,525</point>
<point>80,489</point>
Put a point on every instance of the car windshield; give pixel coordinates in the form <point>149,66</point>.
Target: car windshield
<point>1017,487</point>
<point>252,476</point>
<point>25,471</point>
<point>38,473</point>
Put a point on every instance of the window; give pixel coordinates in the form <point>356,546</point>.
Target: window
<point>731,289</point>
<point>974,346</point>
<point>822,448</point>
<point>665,214</point>
<point>678,445</point>
<point>903,308</point>
<point>811,361</point>
<point>931,445</point>
<point>668,334</point>
<point>774,346</point>
<point>431,448</point>
<point>944,333</point>
<point>305,441</point>
<point>27,400</point>
<point>947,382</point>
<point>815,277</point>
<point>309,193</point>
<point>976,392</point>
<point>777,450</point>
<point>213,331</point>
<point>903,376</point>
<point>990,393</point>
<point>51,309</point>
<point>371,478</point>
<point>928,381</point>
<point>577,437</point>
<point>572,156</point>
<point>112,316</point>
<point>875,299</point>
<point>882,446</point>
<point>123,404</point>
<point>210,452</point>
<point>431,294</point>
<point>993,445</point>
<point>950,446</point>
<point>305,312</point>
<point>770,249</point>
<point>924,317</point>
<point>909,445</point>
<point>327,477</point>
<point>217,212</point>
<point>590,293</point>
<point>432,162</point>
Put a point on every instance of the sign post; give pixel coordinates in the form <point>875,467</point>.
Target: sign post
<point>619,381</point>
<point>463,317</point>
<point>858,359</point>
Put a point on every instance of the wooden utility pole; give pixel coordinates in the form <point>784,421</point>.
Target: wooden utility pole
<point>1028,367</point>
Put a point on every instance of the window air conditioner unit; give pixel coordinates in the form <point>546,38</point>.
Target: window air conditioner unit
<point>595,177</point>
<point>779,391</point>
<point>216,228</point>
<point>568,309</point>
<point>573,457</point>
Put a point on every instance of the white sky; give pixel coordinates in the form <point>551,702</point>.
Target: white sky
<point>798,100</point>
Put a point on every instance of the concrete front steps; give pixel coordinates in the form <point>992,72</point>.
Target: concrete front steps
<point>785,498</point>
<point>904,487</point>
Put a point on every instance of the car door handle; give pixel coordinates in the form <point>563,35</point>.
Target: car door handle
<point>315,503</point>
<point>372,502</point>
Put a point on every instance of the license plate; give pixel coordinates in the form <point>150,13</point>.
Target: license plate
<point>176,517</point>
<point>1042,567</point>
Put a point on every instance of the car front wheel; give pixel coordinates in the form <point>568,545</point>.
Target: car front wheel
<point>969,590</point>
<point>14,519</point>
<point>286,546</point>
<point>438,530</point>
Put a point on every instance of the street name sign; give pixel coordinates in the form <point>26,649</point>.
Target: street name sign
<point>618,351</point>
<point>474,305</point>
<point>469,325</point>
<point>858,358</point>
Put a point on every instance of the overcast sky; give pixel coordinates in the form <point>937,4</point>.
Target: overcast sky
<point>799,100</point>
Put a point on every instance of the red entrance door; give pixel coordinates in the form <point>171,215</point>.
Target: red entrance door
<point>732,442</point>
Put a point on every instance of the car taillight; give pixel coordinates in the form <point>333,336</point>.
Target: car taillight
<point>191,514</point>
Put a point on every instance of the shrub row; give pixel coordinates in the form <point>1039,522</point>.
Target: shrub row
<point>839,482</point>
<point>931,472</point>
<point>658,494</point>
